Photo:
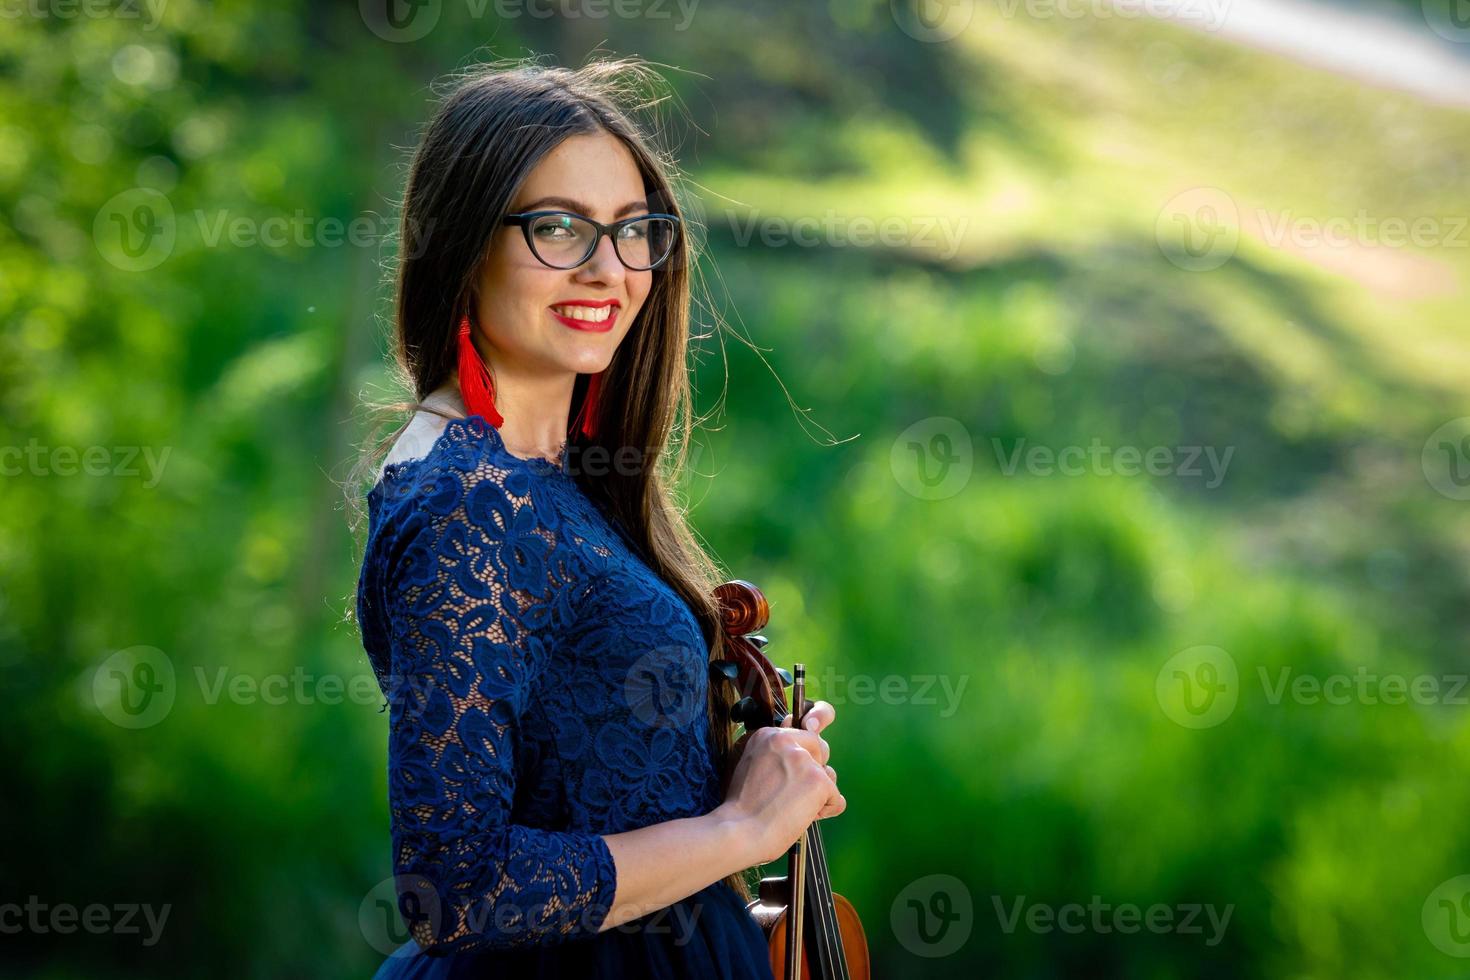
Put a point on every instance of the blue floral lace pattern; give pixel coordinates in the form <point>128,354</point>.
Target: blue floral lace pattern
<point>544,687</point>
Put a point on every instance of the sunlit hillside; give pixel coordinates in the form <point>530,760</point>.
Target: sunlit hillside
<point>1086,394</point>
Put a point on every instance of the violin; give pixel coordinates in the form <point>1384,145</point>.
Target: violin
<point>814,933</point>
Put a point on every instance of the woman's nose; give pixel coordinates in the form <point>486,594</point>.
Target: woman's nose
<point>603,266</point>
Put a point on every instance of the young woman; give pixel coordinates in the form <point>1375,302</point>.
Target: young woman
<point>538,614</point>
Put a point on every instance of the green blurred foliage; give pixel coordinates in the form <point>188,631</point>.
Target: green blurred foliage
<point>1049,604</point>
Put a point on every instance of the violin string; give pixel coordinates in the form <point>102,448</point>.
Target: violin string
<point>819,896</point>
<point>819,882</point>
<point>824,931</point>
<point>832,937</point>
<point>839,955</point>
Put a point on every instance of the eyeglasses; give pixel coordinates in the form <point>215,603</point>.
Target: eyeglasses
<point>565,239</point>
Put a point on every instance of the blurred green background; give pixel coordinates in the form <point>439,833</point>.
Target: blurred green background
<point>1063,691</point>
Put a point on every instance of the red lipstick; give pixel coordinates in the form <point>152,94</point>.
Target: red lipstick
<point>591,326</point>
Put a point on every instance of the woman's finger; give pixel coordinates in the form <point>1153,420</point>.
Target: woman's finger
<point>819,717</point>
<point>833,809</point>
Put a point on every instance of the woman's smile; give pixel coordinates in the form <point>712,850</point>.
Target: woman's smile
<point>595,316</point>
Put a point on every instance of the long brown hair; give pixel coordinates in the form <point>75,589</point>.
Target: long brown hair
<point>497,121</point>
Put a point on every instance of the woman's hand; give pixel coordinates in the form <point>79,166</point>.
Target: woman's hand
<point>783,783</point>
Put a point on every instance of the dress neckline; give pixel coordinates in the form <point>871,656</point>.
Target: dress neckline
<point>534,465</point>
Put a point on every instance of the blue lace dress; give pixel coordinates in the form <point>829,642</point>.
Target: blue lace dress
<point>544,688</point>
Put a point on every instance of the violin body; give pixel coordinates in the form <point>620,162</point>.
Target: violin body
<point>770,915</point>
<point>832,944</point>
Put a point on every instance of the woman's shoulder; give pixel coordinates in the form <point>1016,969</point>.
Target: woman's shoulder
<point>415,441</point>
<point>448,470</point>
<point>419,437</point>
<point>444,467</point>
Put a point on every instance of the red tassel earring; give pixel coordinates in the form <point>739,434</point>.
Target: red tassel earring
<point>588,412</point>
<point>475,385</point>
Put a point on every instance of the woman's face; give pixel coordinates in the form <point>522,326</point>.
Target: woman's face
<point>595,176</point>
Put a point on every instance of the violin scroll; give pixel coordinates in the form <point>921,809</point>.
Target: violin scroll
<point>744,608</point>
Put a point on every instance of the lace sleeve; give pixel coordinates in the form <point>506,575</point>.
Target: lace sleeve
<point>481,588</point>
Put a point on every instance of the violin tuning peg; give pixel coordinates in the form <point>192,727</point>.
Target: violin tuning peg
<point>785,676</point>
<point>745,711</point>
<point>758,640</point>
<point>723,669</point>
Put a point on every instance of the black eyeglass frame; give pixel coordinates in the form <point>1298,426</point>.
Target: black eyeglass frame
<point>525,218</point>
